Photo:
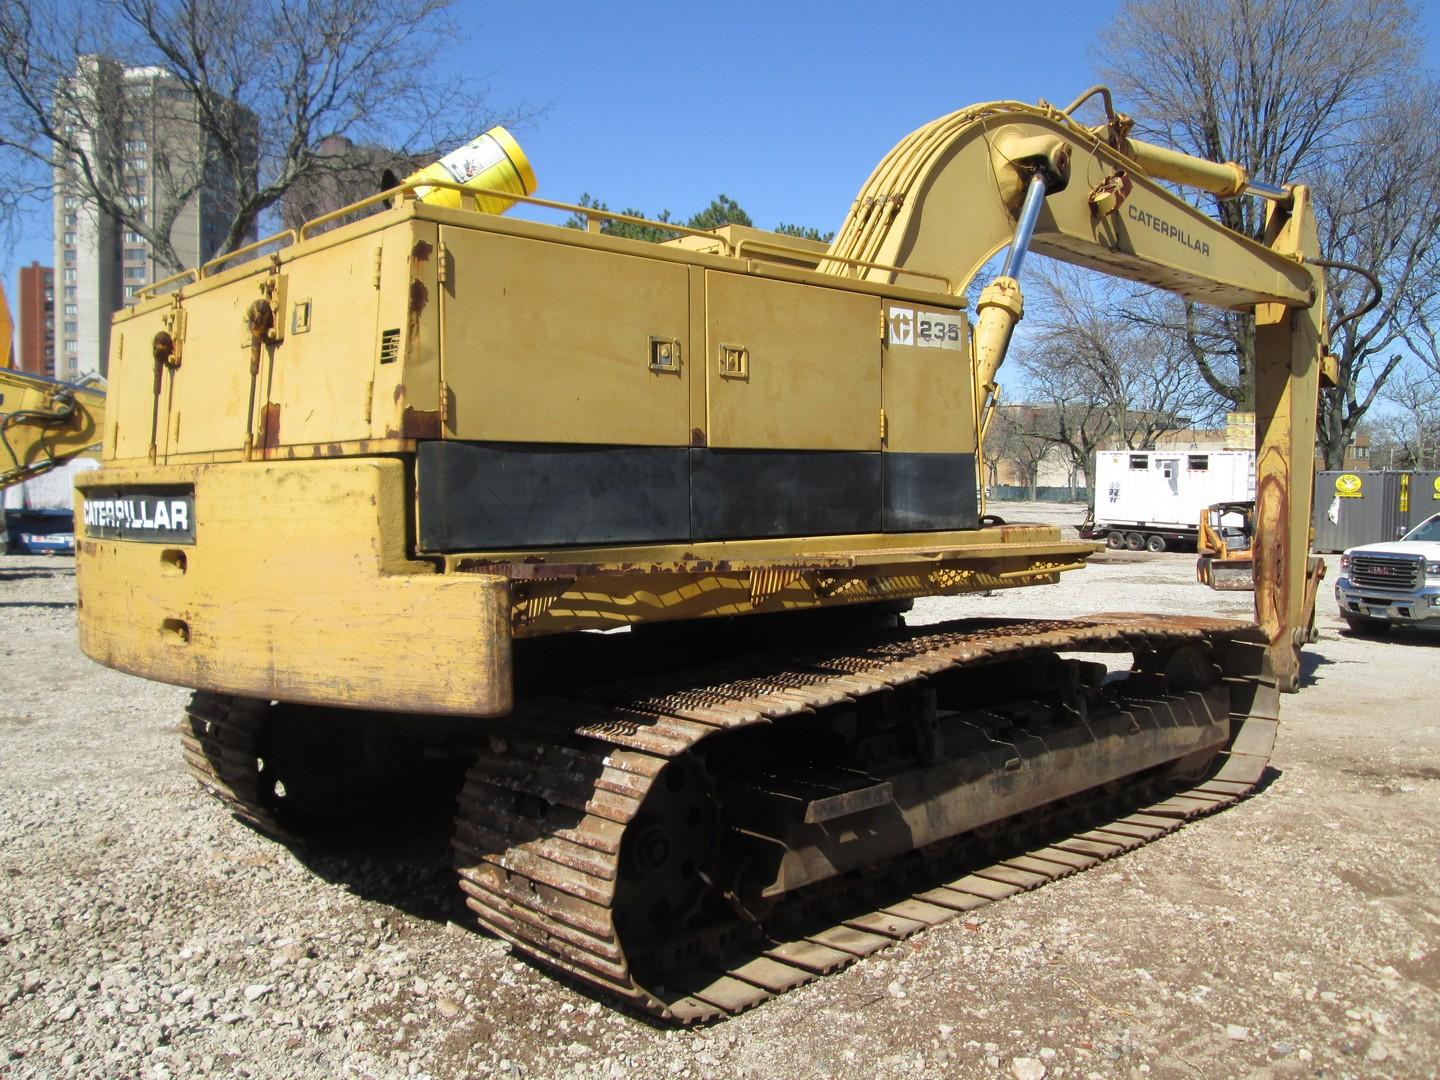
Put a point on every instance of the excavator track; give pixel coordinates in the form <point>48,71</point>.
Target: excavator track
<point>571,803</point>
<point>541,837</point>
<point>220,739</point>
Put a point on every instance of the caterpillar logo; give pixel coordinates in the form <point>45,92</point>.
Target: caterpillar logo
<point>144,516</point>
<point>902,326</point>
<point>926,329</point>
<point>1148,220</point>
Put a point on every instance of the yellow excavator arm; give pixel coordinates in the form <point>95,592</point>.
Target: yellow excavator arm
<point>956,192</point>
<point>44,423</point>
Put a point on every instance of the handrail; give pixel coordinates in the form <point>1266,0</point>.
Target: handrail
<point>500,193</point>
<point>197,273</point>
<point>359,204</point>
<point>221,260</point>
<point>149,290</point>
<point>821,257</point>
<point>583,211</point>
<point>308,228</point>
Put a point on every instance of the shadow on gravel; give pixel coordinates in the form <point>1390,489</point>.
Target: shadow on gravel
<point>1413,637</point>
<point>1310,663</point>
<point>412,874</point>
<point>23,575</point>
<point>1268,777</point>
<point>37,603</point>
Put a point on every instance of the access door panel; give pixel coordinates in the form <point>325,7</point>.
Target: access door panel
<point>790,367</point>
<point>547,342</point>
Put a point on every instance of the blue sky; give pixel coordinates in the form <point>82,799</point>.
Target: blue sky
<point>783,106</point>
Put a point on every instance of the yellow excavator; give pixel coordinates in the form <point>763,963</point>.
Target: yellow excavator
<point>373,492</point>
<point>44,423</point>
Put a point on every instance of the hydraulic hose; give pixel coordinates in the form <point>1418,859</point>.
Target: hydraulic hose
<point>66,409</point>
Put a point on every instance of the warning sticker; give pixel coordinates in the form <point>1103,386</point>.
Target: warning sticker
<point>1347,486</point>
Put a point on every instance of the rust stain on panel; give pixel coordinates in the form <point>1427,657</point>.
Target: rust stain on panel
<point>419,298</point>
<point>270,426</point>
<point>420,424</point>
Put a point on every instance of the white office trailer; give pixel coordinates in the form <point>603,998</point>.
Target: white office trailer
<point>1154,498</point>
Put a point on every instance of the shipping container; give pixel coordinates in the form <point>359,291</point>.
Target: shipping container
<point>1424,495</point>
<point>1368,506</point>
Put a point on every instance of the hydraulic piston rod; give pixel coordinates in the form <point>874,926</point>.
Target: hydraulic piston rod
<point>1001,303</point>
<point>1025,227</point>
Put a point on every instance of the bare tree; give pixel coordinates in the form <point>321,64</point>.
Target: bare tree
<point>1379,209</point>
<point>1077,428</point>
<point>1297,91</point>
<point>1011,441</point>
<point>262,83</point>
<point>1104,380</point>
<point>1413,428</point>
<point>1001,443</point>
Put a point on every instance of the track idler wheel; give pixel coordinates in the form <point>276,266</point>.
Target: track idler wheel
<point>668,854</point>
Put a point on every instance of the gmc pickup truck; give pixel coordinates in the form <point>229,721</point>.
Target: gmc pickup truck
<point>1392,584</point>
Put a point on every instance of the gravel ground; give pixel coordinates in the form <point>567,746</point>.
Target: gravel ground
<point>143,932</point>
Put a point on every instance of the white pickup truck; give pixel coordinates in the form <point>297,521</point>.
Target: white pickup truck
<point>1392,584</point>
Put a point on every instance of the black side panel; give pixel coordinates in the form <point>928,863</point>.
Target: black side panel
<point>737,494</point>
<point>488,496</point>
<point>930,491</point>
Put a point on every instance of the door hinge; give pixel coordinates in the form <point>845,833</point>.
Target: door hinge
<point>375,277</point>
<point>883,426</point>
<point>369,402</point>
<point>442,264</point>
<point>444,403</point>
<point>883,323</point>
<point>173,322</point>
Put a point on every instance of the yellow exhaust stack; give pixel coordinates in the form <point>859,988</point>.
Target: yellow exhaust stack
<point>491,162</point>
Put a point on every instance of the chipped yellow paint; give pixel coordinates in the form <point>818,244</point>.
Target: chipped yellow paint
<point>297,588</point>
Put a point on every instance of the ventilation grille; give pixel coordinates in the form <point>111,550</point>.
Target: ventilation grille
<point>390,346</point>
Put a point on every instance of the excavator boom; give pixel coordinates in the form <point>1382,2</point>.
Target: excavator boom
<point>44,423</point>
<point>953,194</point>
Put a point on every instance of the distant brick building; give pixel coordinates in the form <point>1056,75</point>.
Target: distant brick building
<point>36,338</point>
<point>345,173</point>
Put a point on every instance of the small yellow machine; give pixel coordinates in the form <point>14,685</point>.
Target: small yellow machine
<point>369,493</point>
<point>1226,547</point>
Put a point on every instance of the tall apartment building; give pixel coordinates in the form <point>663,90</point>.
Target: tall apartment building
<point>36,340</point>
<point>142,132</point>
